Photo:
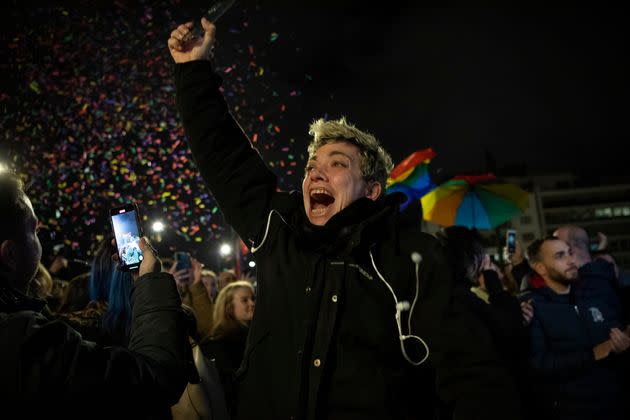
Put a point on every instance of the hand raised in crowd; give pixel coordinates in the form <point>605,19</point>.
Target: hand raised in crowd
<point>150,263</point>
<point>58,264</point>
<point>619,340</point>
<point>182,276</point>
<point>528,311</point>
<point>197,268</point>
<point>185,46</point>
<point>491,276</point>
<point>488,264</point>
<point>517,257</point>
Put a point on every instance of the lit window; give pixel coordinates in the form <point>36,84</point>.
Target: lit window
<point>606,212</point>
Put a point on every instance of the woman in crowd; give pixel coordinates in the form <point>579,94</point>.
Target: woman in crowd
<point>233,311</point>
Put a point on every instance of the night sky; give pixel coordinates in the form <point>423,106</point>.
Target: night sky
<point>88,105</point>
<point>541,89</point>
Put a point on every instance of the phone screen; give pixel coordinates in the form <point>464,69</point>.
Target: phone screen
<point>511,241</point>
<point>183,260</point>
<point>127,233</point>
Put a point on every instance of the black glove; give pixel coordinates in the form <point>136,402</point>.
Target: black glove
<point>492,282</point>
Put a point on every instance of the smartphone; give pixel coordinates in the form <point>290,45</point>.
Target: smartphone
<point>183,260</point>
<point>127,232</point>
<point>510,241</point>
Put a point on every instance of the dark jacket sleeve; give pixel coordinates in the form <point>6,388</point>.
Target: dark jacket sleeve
<point>203,308</point>
<point>53,359</point>
<point>233,170</point>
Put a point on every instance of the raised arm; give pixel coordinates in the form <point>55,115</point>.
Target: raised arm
<point>231,167</point>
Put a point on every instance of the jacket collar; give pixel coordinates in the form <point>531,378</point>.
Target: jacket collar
<point>12,300</point>
<point>551,295</point>
<point>354,225</point>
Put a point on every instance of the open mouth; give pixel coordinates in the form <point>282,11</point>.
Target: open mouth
<point>320,200</point>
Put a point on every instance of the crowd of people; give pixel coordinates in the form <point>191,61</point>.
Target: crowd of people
<point>355,313</point>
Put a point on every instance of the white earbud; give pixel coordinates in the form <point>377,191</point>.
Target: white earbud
<point>403,306</point>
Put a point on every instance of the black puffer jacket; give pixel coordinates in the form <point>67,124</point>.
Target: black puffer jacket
<point>47,368</point>
<point>324,342</point>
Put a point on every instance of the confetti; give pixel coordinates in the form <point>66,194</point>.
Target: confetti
<point>91,121</point>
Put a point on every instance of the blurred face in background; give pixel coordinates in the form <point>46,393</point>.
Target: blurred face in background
<point>225,278</point>
<point>210,282</point>
<point>243,305</point>
<point>25,250</point>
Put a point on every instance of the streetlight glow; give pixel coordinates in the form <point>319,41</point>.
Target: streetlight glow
<point>225,250</point>
<point>158,226</point>
<point>252,264</point>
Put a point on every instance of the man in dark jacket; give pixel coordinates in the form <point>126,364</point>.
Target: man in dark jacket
<point>350,294</point>
<point>46,366</point>
<point>577,340</point>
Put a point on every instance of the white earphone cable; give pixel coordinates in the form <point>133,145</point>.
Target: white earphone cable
<point>401,306</point>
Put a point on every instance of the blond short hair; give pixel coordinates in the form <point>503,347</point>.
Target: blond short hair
<point>376,163</point>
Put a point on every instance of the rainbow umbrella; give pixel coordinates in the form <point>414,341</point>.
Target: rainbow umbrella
<point>411,176</point>
<point>474,201</point>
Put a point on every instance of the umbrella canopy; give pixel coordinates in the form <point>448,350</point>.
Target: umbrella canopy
<point>475,201</point>
<point>411,176</point>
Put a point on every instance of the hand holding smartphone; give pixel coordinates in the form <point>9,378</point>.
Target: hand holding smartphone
<point>510,241</point>
<point>127,232</point>
<point>183,260</point>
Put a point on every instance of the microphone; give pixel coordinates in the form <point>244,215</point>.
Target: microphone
<point>213,14</point>
<point>218,9</point>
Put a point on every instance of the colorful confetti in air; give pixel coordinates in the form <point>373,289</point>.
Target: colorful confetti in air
<point>89,117</point>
